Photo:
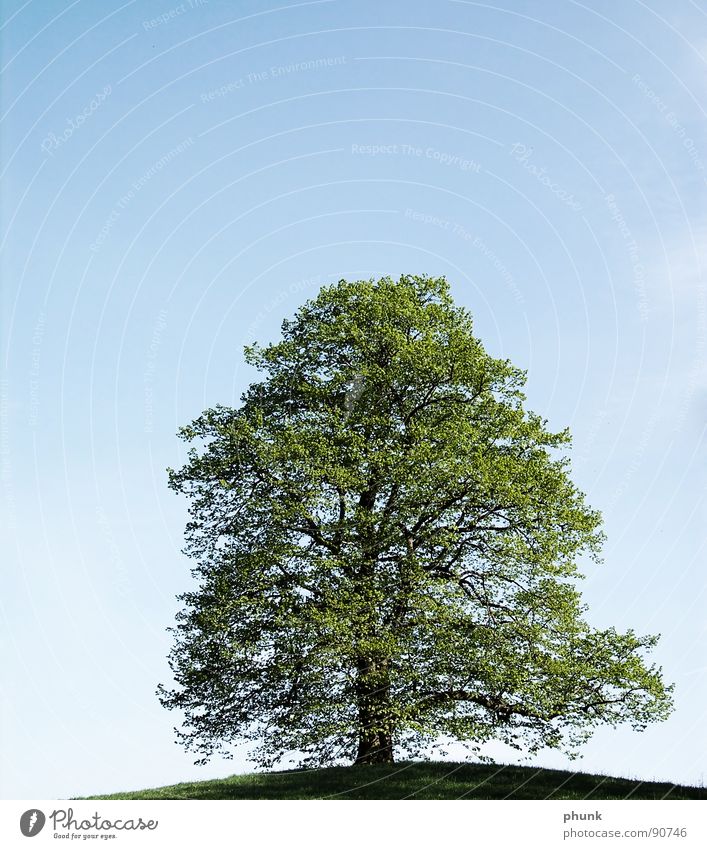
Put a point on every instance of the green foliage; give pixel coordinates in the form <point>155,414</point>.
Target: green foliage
<point>429,780</point>
<point>386,547</point>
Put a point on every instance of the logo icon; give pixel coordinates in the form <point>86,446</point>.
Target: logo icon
<point>32,822</point>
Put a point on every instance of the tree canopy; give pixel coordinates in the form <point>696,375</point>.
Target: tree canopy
<point>386,547</point>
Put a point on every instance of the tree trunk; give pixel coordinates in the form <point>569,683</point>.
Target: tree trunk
<point>376,748</point>
<point>375,734</point>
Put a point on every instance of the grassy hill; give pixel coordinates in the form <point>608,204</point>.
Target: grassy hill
<point>428,780</point>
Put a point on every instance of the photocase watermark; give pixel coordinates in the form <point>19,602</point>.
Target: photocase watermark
<point>135,187</point>
<point>272,73</point>
<point>451,160</point>
<point>149,373</point>
<point>35,360</point>
<point>353,393</point>
<point>695,382</point>
<point>598,421</point>
<point>671,118</point>
<point>638,268</point>
<point>282,296</point>
<point>175,12</point>
<point>639,454</point>
<point>9,513</point>
<point>119,573</point>
<point>32,822</point>
<point>522,154</point>
<point>92,826</point>
<point>53,141</point>
<point>475,241</point>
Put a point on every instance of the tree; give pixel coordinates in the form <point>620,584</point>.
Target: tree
<point>386,547</point>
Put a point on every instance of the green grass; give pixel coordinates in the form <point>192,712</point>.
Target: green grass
<point>428,780</point>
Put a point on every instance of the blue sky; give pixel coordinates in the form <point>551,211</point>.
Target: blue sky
<point>178,178</point>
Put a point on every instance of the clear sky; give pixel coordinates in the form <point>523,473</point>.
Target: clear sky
<point>178,178</point>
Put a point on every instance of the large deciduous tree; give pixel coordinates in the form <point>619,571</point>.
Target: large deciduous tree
<point>386,545</point>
